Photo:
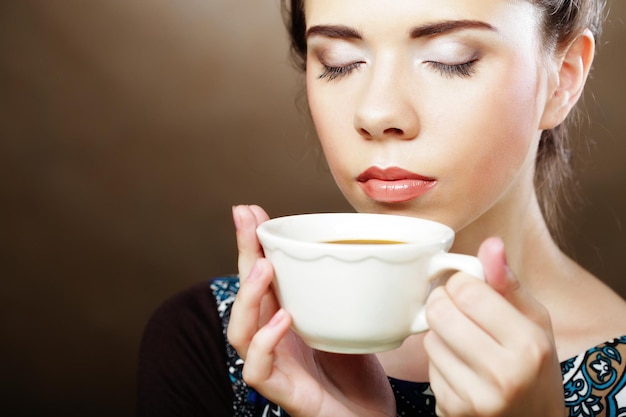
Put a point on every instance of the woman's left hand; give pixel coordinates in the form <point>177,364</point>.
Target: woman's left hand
<point>491,348</point>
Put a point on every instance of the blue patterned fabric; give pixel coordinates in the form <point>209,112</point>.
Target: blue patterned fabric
<point>594,381</point>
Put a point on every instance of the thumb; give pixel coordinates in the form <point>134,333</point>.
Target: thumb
<point>497,272</point>
<point>247,219</point>
<point>500,277</point>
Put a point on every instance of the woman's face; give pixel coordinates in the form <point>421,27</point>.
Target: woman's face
<point>429,108</point>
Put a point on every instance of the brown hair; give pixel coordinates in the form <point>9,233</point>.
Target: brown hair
<point>564,20</point>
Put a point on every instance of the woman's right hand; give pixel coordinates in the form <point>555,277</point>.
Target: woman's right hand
<point>277,363</point>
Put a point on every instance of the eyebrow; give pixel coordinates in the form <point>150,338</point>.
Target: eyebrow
<point>432,29</point>
<point>333,31</point>
<point>447,26</point>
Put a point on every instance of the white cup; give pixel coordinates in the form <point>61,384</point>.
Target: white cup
<point>355,297</point>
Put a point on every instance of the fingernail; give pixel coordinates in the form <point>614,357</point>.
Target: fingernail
<point>510,276</point>
<point>509,273</point>
<point>278,317</point>
<point>236,218</point>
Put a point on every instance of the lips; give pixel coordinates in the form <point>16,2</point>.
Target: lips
<point>393,185</point>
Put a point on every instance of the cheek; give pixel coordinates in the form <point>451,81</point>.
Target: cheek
<point>517,114</point>
<point>502,116</point>
<point>332,119</point>
<point>491,141</point>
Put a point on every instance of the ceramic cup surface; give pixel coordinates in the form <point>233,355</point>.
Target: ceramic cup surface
<point>355,297</point>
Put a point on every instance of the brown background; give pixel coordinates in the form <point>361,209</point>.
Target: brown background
<point>129,128</point>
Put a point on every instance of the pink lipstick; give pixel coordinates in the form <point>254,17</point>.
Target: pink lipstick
<point>393,184</point>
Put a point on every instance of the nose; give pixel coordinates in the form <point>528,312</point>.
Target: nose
<point>386,109</point>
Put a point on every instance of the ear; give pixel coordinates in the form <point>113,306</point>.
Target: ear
<point>568,80</point>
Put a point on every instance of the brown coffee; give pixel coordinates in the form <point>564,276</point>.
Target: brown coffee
<point>365,242</point>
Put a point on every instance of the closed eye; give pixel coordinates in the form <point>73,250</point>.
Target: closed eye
<point>330,73</point>
<point>464,70</point>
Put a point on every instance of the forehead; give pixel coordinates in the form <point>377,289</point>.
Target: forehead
<point>388,16</point>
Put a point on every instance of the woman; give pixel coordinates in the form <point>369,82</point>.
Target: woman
<point>453,111</point>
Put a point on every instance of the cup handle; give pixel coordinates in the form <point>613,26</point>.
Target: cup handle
<point>446,261</point>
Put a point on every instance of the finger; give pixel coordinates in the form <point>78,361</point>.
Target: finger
<point>247,219</point>
<point>260,214</point>
<point>495,315</point>
<point>518,323</point>
<point>259,365</point>
<point>448,402</point>
<point>457,342</point>
<point>497,272</point>
<point>447,398</point>
<point>248,309</point>
<point>461,389</point>
<point>500,277</point>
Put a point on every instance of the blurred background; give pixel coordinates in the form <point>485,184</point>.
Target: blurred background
<point>128,129</point>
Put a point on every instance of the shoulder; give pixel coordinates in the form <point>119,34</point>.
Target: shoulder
<point>187,311</point>
<point>594,381</point>
<point>194,315</point>
<point>183,359</point>
<point>587,314</point>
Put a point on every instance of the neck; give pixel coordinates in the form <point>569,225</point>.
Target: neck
<point>531,252</point>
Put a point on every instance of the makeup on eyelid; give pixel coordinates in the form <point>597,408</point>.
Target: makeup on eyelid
<point>450,53</point>
<point>333,57</point>
<point>446,57</point>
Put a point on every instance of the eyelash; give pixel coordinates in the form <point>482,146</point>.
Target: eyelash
<point>463,70</point>
<point>330,73</point>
